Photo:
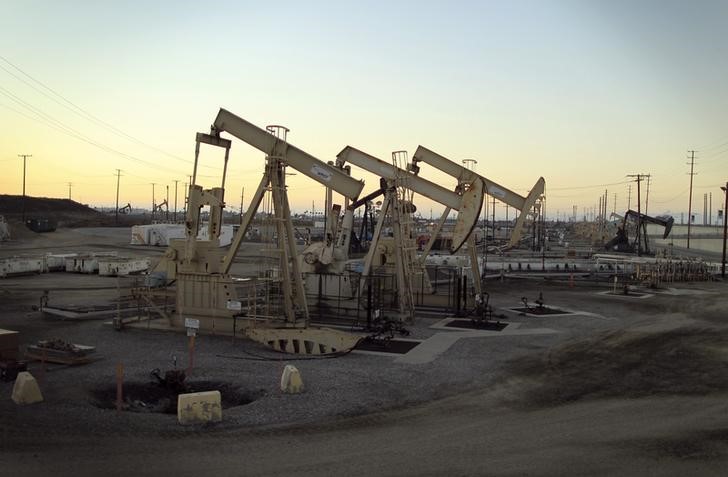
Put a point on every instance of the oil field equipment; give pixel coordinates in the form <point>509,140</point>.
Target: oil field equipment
<point>206,291</point>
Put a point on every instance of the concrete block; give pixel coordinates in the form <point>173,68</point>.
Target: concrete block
<point>26,390</point>
<point>199,408</point>
<point>291,381</point>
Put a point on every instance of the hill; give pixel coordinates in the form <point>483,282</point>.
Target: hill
<point>67,213</point>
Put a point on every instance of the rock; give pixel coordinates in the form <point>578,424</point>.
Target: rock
<point>291,381</point>
<point>26,390</point>
<point>199,408</point>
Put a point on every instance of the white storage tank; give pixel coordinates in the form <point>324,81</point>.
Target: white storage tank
<point>56,262</point>
<point>21,266</point>
<point>82,264</point>
<point>122,266</point>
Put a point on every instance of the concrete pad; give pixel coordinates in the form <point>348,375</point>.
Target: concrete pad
<point>26,390</point>
<point>442,325</point>
<point>437,344</point>
<point>431,348</point>
<point>199,408</point>
<point>291,382</point>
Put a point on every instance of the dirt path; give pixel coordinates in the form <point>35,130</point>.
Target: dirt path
<point>470,434</point>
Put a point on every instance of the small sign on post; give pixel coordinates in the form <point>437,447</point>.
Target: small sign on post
<point>192,326</point>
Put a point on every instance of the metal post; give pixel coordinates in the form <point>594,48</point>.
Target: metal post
<point>369,302</point>
<point>457,295</point>
<point>167,205</point>
<point>465,293</point>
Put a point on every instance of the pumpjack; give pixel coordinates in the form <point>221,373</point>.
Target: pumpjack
<point>200,269</point>
<point>635,224</point>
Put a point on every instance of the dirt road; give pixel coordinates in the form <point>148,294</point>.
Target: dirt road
<point>473,434</point>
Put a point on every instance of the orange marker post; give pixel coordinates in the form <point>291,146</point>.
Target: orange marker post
<point>119,386</point>
<point>192,354</point>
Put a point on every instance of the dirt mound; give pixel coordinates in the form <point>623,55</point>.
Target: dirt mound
<point>66,213</point>
<point>13,204</point>
<point>629,364</point>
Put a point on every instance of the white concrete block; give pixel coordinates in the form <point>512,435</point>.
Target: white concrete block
<point>26,390</point>
<point>291,381</point>
<point>199,408</point>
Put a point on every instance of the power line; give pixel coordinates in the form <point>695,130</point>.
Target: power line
<point>671,199</point>
<point>587,187</point>
<point>716,145</point>
<point>59,126</point>
<point>71,106</point>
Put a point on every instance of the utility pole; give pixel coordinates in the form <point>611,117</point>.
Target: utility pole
<point>725,229</point>
<point>614,209</point>
<point>25,158</point>
<point>175,200</point>
<point>710,208</point>
<point>494,218</point>
<point>647,198</point>
<point>69,190</point>
<point>154,205</point>
<point>601,206</point>
<point>166,218</point>
<point>705,209</point>
<point>186,190</point>
<point>690,199</point>
<point>638,241</point>
<point>118,175</point>
<point>242,199</point>
<point>629,196</point>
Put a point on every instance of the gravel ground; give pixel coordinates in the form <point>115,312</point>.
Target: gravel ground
<point>356,385</point>
<point>348,385</point>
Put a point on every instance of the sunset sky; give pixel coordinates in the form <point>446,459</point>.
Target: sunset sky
<point>580,92</point>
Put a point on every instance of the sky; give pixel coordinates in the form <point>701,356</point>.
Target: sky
<point>583,93</point>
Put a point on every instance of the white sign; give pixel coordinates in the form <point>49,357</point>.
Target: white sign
<point>191,332</point>
<point>496,192</point>
<point>234,305</point>
<point>321,173</point>
<point>192,323</point>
